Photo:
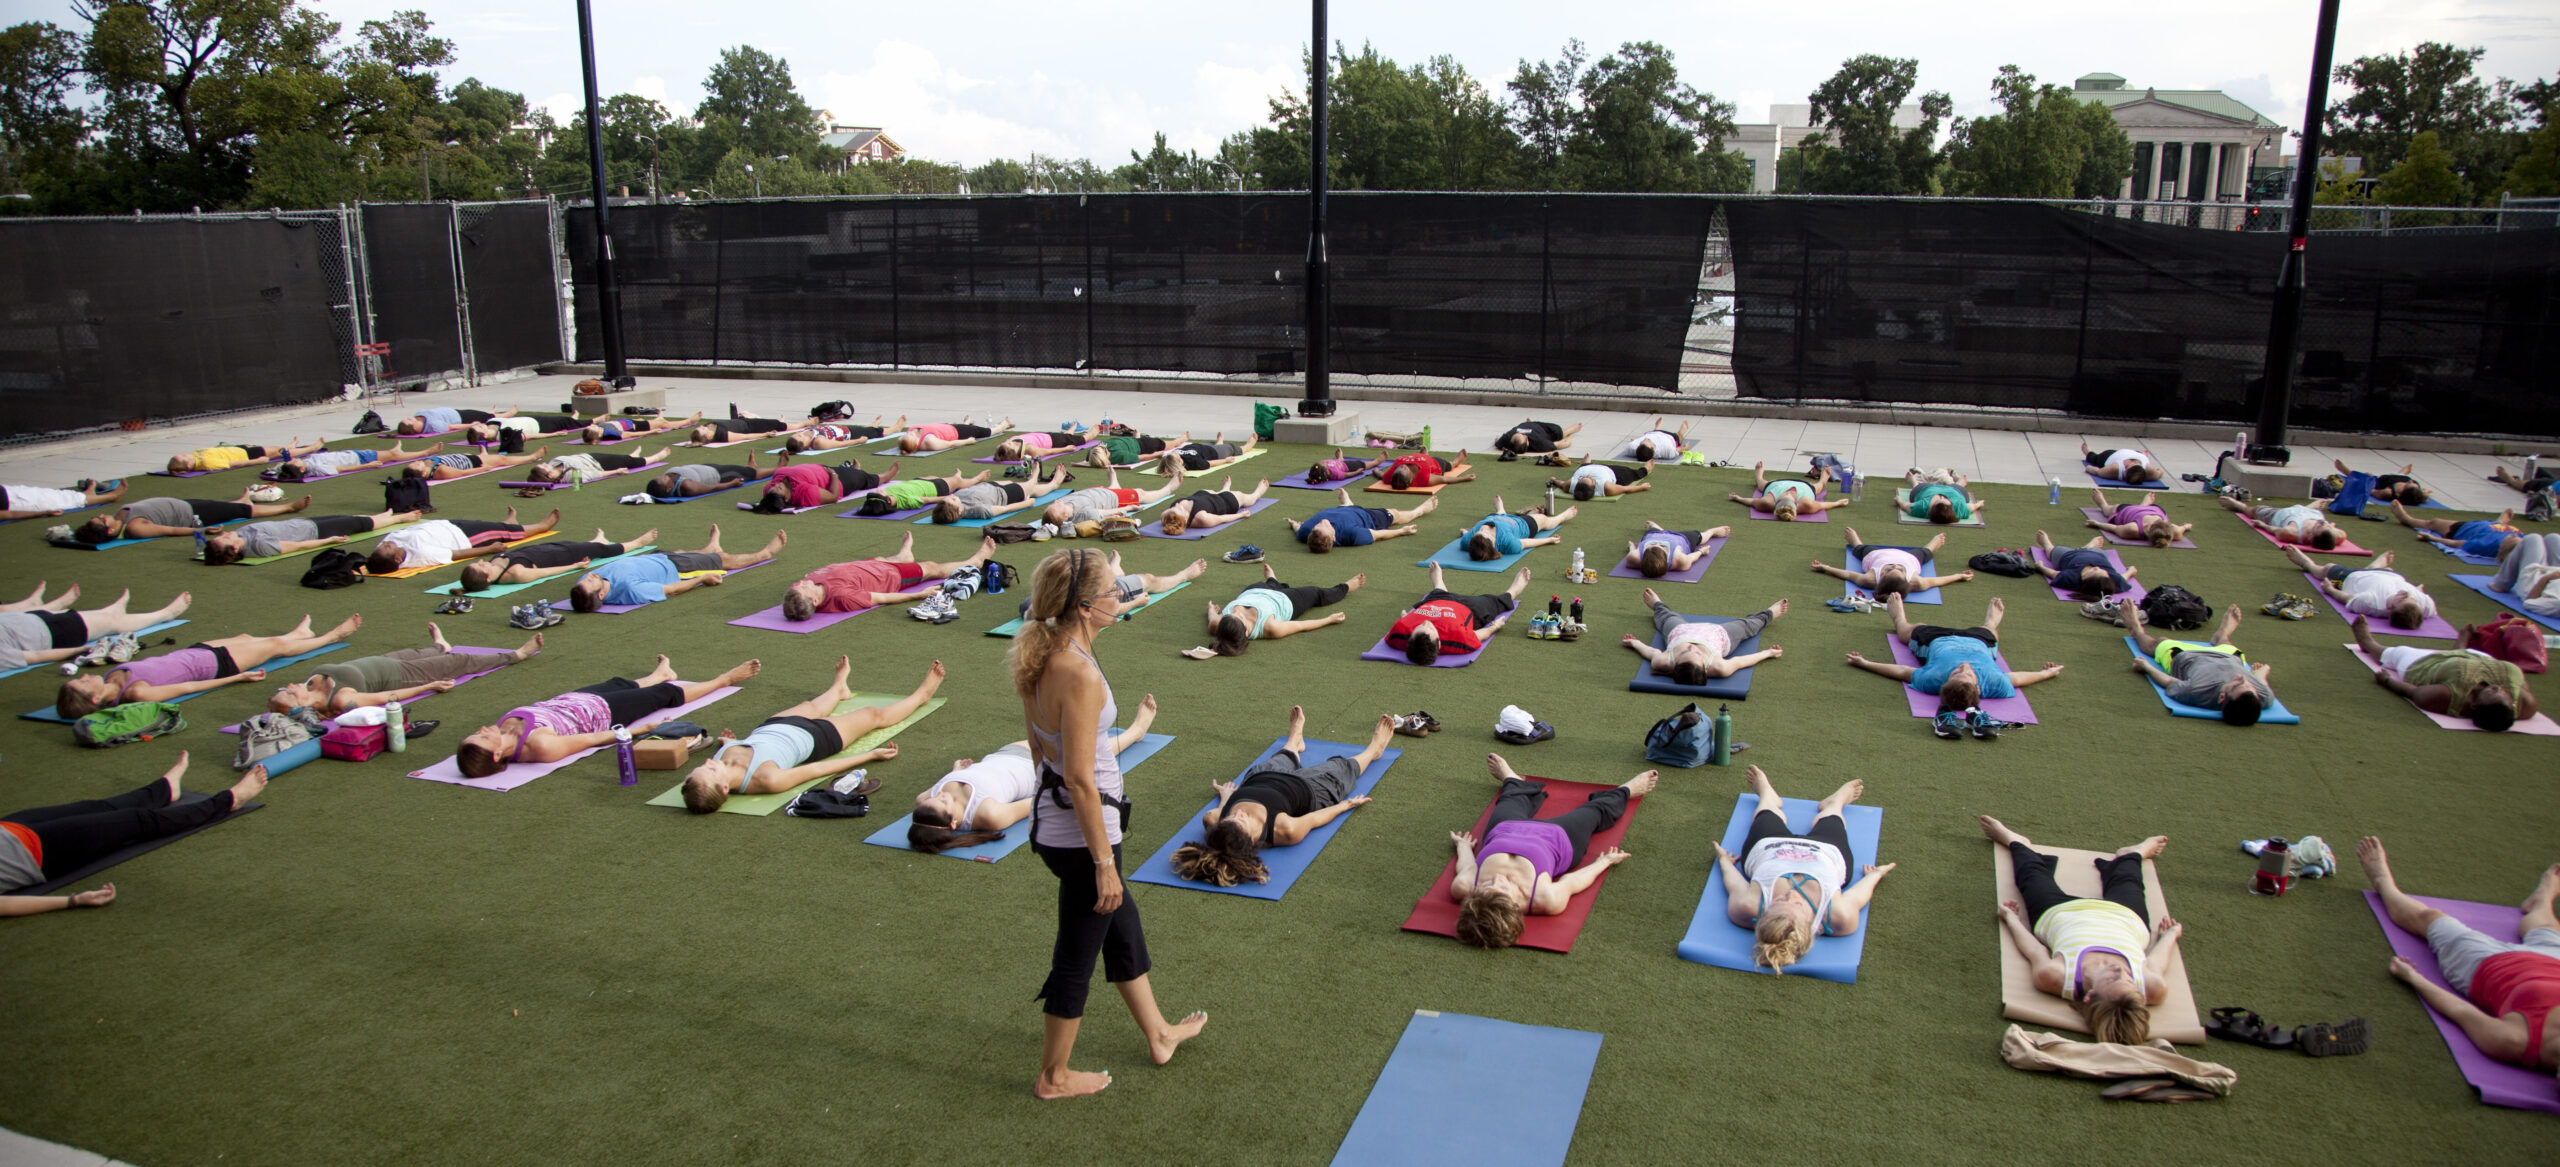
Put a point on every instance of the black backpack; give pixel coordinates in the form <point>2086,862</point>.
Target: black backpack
<point>404,494</point>
<point>2174,607</point>
<point>2004,561</point>
<point>511,441</point>
<point>370,423</point>
<point>334,567</point>
<point>831,411</point>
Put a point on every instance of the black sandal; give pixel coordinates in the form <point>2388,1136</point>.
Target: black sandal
<point>2236,1024</point>
<point>2351,1036</point>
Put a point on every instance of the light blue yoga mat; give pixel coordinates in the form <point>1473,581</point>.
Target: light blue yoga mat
<point>112,544</point>
<point>1014,626</point>
<point>1928,566</point>
<point>1285,863</point>
<point>1454,557</point>
<point>895,834</point>
<point>1715,939</point>
<point>2458,553</point>
<point>2511,601</point>
<point>47,713</point>
<point>491,593</point>
<point>162,626</point>
<point>2275,714</point>
<point>1029,514</point>
<point>1437,1100</point>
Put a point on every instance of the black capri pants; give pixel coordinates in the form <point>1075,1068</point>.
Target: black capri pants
<point>76,834</point>
<point>969,433</point>
<point>1829,828</point>
<point>628,702</point>
<point>556,554</point>
<point>1083,934</point>
<point>1521,798</point>
<point>1484,609</point>
<point>1304,600</point>
<point>2119,882</point>
<point>211,511</point>
<point>1923,635</point>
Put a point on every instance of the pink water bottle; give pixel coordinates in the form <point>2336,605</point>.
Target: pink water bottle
<point>622,755</point>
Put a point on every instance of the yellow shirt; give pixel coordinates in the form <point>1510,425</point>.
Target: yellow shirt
<point>221,457</point>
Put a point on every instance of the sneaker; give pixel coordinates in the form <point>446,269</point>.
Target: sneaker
<point>1247,553</point>
<point>2540,506</point>
<point>1984,726</point>
<point>1043,532</point>
<point>1568,630</point>
<point>2288,606</point>
<point>1538,731</point>
<point>929,607</point>
<point>1537,627</point>
<point>2105,611</point>
<point>542,611</point>
<point>453,606</point>
<point>1949,725</point>
<point>522,616</point>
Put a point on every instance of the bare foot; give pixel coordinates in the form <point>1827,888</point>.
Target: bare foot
<point>1642,784</point>
<point>665,671</point>
<point>1779,609</point>
<point>1146,714</point>
<point>2148,848</point>
<point>248,786</point>
<point>2544,891</point>
<point>2376,864</point>
<point>1502,771</point>
<point>1849,792</point>
<point>1297,722</point>
<point>1355,583</point>
<point>529,649</point>
<point>1073,1084</point>
<point>745,669</point>
<point>1758,780</point>
<point>302,629</point>
<point>435,636</point>
<point>1161,1045</point>
<point>844,669</point>
<point>345,628</point>
<point>1999,832</point>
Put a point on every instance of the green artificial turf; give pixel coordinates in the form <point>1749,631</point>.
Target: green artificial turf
<point>379,969</point>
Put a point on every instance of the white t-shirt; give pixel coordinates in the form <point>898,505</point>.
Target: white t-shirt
<point>2371,591</point>
<point>2546,604</point>
<point>1665,446</point>
<point>525,425</point>
<point>428,544</point>
<point>1006,775</point>
<point>1601,477</point>
<point>1712,635</point>
<point>1884,557</point>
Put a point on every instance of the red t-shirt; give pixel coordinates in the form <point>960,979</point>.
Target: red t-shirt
<point>1457,626</point>
<point>2519,982</point>
<point>849,585</point>
<point>1426,469</point>
<point>809,483</point>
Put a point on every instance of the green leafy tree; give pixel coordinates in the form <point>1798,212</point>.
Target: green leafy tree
<point>2393,98</point>
<point>750,103</point>
<point>999,176</point>
<point>40,131</point>
<point>1625,122</point>
<point>2046,143</point>
<point>1866,153</point>
<point>2536,174</point>
<point>1389,127</point>
<point>2424,177</point>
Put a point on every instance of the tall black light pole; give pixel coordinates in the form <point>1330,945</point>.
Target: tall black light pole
<point>608,294</point>
<point>1319,392</point>
<point>2286,329</point>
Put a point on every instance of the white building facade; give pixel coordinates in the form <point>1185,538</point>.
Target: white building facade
<point>2196,145</point>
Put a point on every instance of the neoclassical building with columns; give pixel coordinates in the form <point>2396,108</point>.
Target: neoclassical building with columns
<point>2195,145</point>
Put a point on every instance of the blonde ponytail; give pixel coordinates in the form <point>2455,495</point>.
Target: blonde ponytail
<point>1064,573</point>
<point>1779,941</point>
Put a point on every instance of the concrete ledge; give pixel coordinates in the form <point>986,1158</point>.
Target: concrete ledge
<point>1316,431</point>
<point>601,404</point>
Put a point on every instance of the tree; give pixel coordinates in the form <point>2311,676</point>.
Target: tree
<point>1542,107</point>
<point>2393,98</point>
<point>750,103</point>
<point>2424,177</point>
<point>1389,127</point>
<point>2046,144</point>
<point>1625,122</point>
<point>2536,174</point>
<point>1867,153</point>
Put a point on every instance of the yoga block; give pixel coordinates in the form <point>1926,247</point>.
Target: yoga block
<point>659,753</point>
<point>1316,431</point>
<point>599,404</point>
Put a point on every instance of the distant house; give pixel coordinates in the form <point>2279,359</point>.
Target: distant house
<point>2198,145</point>
<point>1760,143</point>
<point>863,143</point>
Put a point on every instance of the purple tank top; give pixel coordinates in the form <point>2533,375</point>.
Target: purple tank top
<point>1544,845</point>
<point>2138,513</point>
<point>177,668</point>
<point>565,714</point>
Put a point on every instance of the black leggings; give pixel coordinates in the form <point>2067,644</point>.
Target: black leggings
<point>628,702</point>
<point>1485,609</point>
<point>333,526</point>
<point>618,461</point>
<point>210,511</point>
<point>1829,828</point>
<point>965,432</point>
<point>1521,798</point>
<point>474,416</point>
<point>556,554</point>
<point>2119,880</point>
<point>76,834</point>
<point>1305,600</point>
<point>1083,934</point>
<point>556,423</point>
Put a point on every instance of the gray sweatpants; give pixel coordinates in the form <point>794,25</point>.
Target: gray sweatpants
<point>425,666</point>
<point>1332,778</point>
<point>1664,620</point>
<point>2530,551</point>
<point>2459,949</point>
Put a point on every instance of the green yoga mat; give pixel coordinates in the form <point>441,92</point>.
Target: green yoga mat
<point>1009,627</point>
<point>765,804</point>
<point>455,588</point>
<point>1902,513</point>
<point>352,540</point>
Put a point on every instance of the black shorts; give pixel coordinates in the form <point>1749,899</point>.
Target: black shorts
<point>223,665</point>
<point>556,423</point>
<point>1484,609</point>
<point>1626,475</point>
<point>70,629</point>
<point>851,478</point>
<point>554,554</point>
<point>1830,829</point>
<point>829,743</point>
<point>257,453</point>
<point>1214,502</point>
<point>1922,635</point>
<point>693,561</point>
<point>334,526</point>
<point>209,512</point>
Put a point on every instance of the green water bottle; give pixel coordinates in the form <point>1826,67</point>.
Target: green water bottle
<point>1721,752</point>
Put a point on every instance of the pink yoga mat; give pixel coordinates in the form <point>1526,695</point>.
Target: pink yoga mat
<point>1298,481</point>
<point>464,679</point>
<point>2348,548</point>
<point>2499,1083</point>
<point>2540,725</point>
<point>562,604</point>
<point>2014,709</point>
<point>2183,543</point>
<point>2436,628</point>
<point>2061,593</point>
<point>521,773</point>
<point>1696,572</point>
<point>1056,453</point>
<point>1448,660</point>
<point>771,620</point>
<point>1155,530</point>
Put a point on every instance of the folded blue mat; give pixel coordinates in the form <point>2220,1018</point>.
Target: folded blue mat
<point>2275,714</point>
<point>282,662</point>
<point>2459,553</point>
<point>1928,566</point>
<point>1472,1090</point>
<point>895,834</point>
<point>2511,601</point>
<point>1286,864</point>
<point>1715,939</point>
<point>162,626</point>
<point>1454,557</point>
<point>1029,514</point>
<point>1734,688</point>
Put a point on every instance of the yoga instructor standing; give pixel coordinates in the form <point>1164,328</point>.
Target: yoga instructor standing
<point>1077,816</point>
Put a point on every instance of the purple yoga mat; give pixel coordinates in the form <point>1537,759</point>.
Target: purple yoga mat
<point>1056,453</point>
<point>562,604</point>
<point>1298,481</point>
<point>468,477</point>
<point>2184,543</point>
<point>1448,660</point>
<point>520,773</point>
<point>1696,572</point>
<point>2436,627</point>
<point>2131,597</point>
<point>1155,530</point>
<point>2012,709</point>
<point>771,620</point>
<point>464,679</point>
<point>2499,1083</point>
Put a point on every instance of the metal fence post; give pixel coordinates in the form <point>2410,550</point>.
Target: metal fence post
<point>1546,282</point>
<point>894,335</point>
<point>461,293</point>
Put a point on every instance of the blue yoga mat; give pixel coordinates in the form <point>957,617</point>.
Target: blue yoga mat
<point>2512,602</point>
<point>47,713</point>
<point>1454,557</point>
<point>1928,566</point>
<point>2275,714</point>
<point>895,834</point>
<point>1715,939</point>
<point>1734,688</point>
<point>672,500</point>
<point>112,544</point>
<point>1436,1100</point>
<point>1285,863</point>
<point>2458,553</point>
<point>162,626</point>
<point>1029,514</point>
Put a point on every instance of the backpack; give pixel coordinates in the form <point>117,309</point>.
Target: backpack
<point>1263,417</point>
<point>266,735</point>
<point>2513,639</point>
<point>831,411</point>
<point>138,721</point>
<point>1005,533</point>
<point>2174,607</point>
<point>370,423</point>
<point>404,494</point>
<point>2005,561</point>
<point>512,441</point>
<point>334,567</point>
<point>1683,739</point>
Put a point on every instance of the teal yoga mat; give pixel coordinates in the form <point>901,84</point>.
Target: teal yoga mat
<point>162,626</point>
<point>1454,556</point>
<point>1010,627</point>
<point>47,713</point>
<point>895,834</point>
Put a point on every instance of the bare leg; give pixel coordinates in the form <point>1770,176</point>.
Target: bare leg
<point>2537,907</point>
<point>824,704</point>
<point>2148,848</point>
<point>666,671</point>
<point>1297,743</point>
<point>249,652</point>
<point>697,690</point>
<point>1057,1044</point>
<point>1849,792</point>
<point>1992,613</point>
<point>1769,800</point>
<point>1999,832</point>
<point>906,552</point>
<point>858,722</point>
<point>1378,739</point>
<point>2230,625</point>
<point>1902,625</point>
<point>2412,917</point>
<point>1162,1037</point>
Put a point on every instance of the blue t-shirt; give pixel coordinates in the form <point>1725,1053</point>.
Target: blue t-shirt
<point>1351,525</point>
<point>639,579</point>
<point>440,418</point>
<point>2480,538</point>
<point>1939,658</point>
<point>1508,531</point>
<point>2071,561</point>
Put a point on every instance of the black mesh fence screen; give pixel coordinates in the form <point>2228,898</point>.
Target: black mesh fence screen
<point>1582,287</point>
<point>108,319</point>
<point>408,250</point>
<point>509,286</point>
<point>2035,306</point>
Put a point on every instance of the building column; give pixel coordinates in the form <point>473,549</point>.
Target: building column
<point>2212,191</point>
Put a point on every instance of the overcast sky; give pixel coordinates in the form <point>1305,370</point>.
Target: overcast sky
<point>975,79</point>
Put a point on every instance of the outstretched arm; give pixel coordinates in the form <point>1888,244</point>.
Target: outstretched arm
<point>2047,673</point>
<point>2163,942</point>
<point>808,771</point>
<point>2047,971</point>
<point>1741,897</point>
<point>1853,900</point>
<point>1293,828</point>
<point>1275,629</point>
<point>1939,581</point>
<point>1648,652</point>
<point>1464,880</point>
<point>1860,578</point>
<point>2494,1035</point>
<point>1551,899</point>
<point>1900,673</point>
<point>523,573</point>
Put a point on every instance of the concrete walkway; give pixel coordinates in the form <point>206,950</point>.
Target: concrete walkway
<point>1985,455</point>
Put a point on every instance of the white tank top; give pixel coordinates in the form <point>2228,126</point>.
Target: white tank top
<point>1772,860</point>
<point>1006,775</point>
<point>1055,826</point>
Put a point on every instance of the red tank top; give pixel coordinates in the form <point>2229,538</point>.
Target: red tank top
<point>2519,982</point>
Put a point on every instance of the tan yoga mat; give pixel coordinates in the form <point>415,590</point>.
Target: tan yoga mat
<point>1383,488</point>
<point>2175,1019</point>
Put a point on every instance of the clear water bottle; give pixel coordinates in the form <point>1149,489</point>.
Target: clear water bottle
<point>395,727</point>
<point>1577,565</point>
<point>2055,498</point>
<point>622,756</point>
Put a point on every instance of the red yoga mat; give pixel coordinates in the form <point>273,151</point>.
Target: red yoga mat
<point>1437,914</point>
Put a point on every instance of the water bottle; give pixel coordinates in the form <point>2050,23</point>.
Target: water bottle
<point>2055,498</point>
<point>1577,565</point>
<point>1857,482</point>
<point>1551,498</point>
<point>2270,878</point>
<point>622,756</point>
<point>395,727</point>
<point>1720,753</point>
<point>577,480</point>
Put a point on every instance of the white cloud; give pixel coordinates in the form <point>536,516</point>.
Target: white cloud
<point>649,86</point>
<point>938,111</point>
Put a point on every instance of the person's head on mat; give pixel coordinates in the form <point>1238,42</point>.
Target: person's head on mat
<point>2408,611</point>
<point>385,559</point>
<point>1320,538</point>
<point>800,601</point>
<point>2159,531</point>
<point>2095,581</point>
<point>1654,560</point>
<point>1482,544</point>
<point>2325,537</point>
<point>1494,914</point>
<point>1422,645</point>
<point>1942,511</point>
<point>225,547</point>
<point>2241,705</point>
<point>935,825</point>
<point>1402,477</point>
<point>586,595</point>
<point>949,509</point>
<point>1319,472</point>
<point>2492,708</point>
<point>486,751</point>
<point>1226,855</point>
<point>82,696</point>
<point>775,500</point>
<point>1784,509</point>
<point>1962,691</point>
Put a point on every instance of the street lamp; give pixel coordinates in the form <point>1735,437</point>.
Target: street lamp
<point>424,193</point>
<point>653,165</point>
<point>751,175</point>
